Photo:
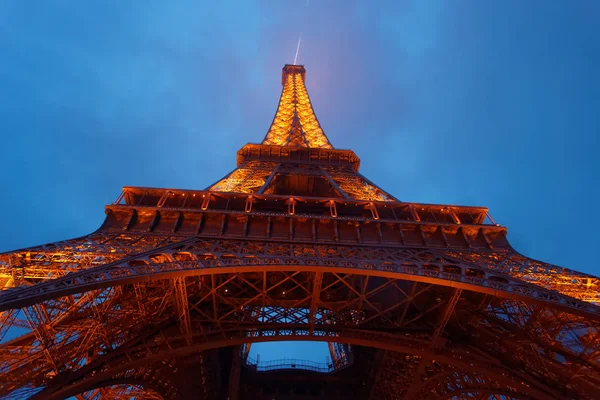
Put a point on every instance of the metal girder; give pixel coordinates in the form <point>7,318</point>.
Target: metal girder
<point>314,300</point>
<point>439,330</point>
<point>426,265</point>
<point>233,390</point>
<point>334,184</point>
<point>54,260</point>
<point>434,344</point>
<point>249,178</point>
<point>356,186</point>
<point>343,303</point>
<point>181,305</point>
<point>176,347</point>
<point>39,325</point>
<point>346,284</point>
<point>373,394</point>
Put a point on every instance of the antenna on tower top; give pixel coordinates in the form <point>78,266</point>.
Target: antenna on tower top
<point>297,49</point>
<point>299,39</point>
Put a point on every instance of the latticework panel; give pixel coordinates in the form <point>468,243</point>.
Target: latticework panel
<point>449,384</point>
<point>56,259</point>
<point>195,292</point>
<point>555,340</point>
<point>437,265</point>
<point>279,131</point>
<point>274,303</point>
<point>312,130</point>
<point>562,280</point>
<point>121,392</point>
<point>246,179</point>
<point>394,376</point>
<point>295,123</point>
<point>356,186</point>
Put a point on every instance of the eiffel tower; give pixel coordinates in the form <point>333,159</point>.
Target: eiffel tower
<point>416,301</point>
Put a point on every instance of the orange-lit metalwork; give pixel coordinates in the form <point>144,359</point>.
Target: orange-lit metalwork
<point>356,186</point>
<point>247,179</point>
<point>417,301</point>
<point>295,123</point>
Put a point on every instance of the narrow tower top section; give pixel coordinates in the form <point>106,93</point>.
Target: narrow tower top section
<point>295,123</point>
<point>292,69</point>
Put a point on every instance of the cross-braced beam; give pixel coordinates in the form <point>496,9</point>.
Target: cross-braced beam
<point>181,305</point>
<point>434,344</point>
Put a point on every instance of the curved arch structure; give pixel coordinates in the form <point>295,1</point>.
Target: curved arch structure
<point>294,244</point>
<point>121,389</point>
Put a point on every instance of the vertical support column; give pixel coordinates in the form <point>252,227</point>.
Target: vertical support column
<point>246,351</point>
<point>314,301</point>
<point>377,374</point>
<point>181,305</point>
<point>37,318</point>
<point>7,317</point>
<point>233,390</point>
<point>332,352</point>
<point>434,344</point>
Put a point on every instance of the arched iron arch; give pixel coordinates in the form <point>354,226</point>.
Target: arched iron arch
<point>437,383</point>
<point>485,391</point>
<point>159,394</point>
<point>86,380</point>
<point>122,272</point>
<point>101,278</point>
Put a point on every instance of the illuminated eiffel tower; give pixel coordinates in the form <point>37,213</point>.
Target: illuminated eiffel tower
<point>416,301</point>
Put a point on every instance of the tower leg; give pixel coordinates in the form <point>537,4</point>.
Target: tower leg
<point>234,376</point>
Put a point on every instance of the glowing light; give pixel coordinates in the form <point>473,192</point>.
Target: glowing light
<point>355,186</point>
<point>295,123</point>
<point>247,179</point>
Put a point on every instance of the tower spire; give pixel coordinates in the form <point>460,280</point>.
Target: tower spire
<point>297,49</point>
<point>295,123</point>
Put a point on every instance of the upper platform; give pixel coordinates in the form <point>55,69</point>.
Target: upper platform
<point>295,135</point>
<point>298,155</point>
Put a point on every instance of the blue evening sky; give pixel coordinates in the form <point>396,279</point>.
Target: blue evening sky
<point>492,103</point>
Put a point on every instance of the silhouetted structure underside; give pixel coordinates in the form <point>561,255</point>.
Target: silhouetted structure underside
<point>417,301</point>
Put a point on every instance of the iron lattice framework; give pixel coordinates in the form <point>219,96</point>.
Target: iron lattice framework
<point>294,244</point>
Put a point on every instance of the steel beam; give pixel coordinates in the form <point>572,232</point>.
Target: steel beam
<point>181,305</point>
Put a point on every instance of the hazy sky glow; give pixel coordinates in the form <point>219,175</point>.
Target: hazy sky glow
<point>492,103</point>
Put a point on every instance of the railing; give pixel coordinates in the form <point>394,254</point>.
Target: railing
<point>388,210</point>
<point>283,364</point>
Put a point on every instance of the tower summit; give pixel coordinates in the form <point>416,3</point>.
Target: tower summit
<point>416,301</point>
<point>295,123</point>
<point>296,157</point>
